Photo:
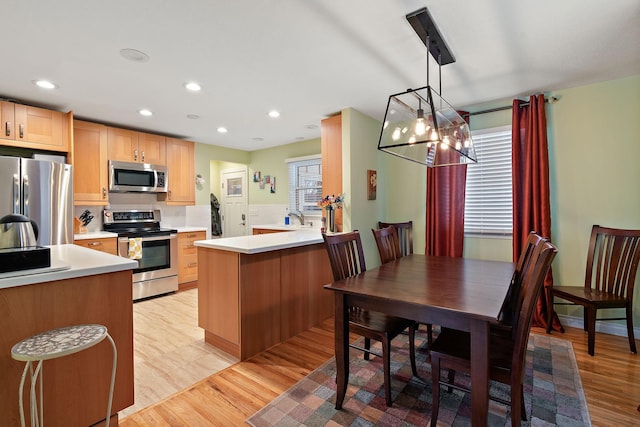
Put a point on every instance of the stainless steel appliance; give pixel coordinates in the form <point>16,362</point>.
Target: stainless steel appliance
<point>41,190</point>
<point>157,271</point>
<point>137,177</point>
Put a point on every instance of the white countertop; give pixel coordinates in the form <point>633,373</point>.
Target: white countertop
<point>94,235</point>
<point>264,242</point>
<point>67,262</point>
<point>188,228</point>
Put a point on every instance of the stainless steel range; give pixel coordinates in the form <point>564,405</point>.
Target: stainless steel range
<point>157,271</point>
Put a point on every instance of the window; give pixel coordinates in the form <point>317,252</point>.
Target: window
<point>488,207</point>
<point>305,184</point>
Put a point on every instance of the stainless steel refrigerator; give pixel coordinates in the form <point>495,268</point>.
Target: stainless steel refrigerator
<point>42,190</point>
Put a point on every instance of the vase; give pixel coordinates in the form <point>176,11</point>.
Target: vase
<point>331,221</point>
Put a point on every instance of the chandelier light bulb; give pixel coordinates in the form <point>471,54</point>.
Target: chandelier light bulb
<point>458,145</point>
<point>434,135</point>
<point>396,134</point>
<point>421,127</point>
<point>466,143</point>
<point>412,139</point>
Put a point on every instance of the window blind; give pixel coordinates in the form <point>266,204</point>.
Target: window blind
<point>305,185</point>
<point>488,202</point>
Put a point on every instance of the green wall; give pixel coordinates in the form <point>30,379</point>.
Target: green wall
<point>271,161</point>
<point>209,160</point>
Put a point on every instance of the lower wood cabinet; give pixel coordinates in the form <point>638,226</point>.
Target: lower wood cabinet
<point>106,244</point>
<point>188,255</point>
<point>266,231</point>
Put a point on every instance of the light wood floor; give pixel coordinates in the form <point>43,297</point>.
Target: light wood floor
<point>169,349</point>
<point>610,381</point>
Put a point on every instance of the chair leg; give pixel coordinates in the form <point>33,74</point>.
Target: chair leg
<point>435,384</point>
<point>429,336</point>
<point>523,410</point>
<point>632,339</point>
<point>367,346</point>
<point>386,365</point>
<point>590,320</point>
<point>412,348</point>
<point>549,309</point>
<point>517,409</point>
<point>451,377</point>
<point>585,317</point>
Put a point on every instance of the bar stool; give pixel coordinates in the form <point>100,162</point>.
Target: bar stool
<point>51,345</point>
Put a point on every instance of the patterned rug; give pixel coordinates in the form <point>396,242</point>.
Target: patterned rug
<point>552,386</point>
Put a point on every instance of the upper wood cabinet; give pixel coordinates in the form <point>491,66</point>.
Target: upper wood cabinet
<point>331,146</point>
<point>90,166</point>
<point>181,171</point>
<point>131,146</point>
<point>33,127</point>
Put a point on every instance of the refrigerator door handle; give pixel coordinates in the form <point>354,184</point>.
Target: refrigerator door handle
<point>25,191</point>
<point>16,194</point>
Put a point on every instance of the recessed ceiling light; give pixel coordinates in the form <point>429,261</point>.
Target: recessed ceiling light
<point>258,139</point>
<point>193,116</point>
<point>193,86</point>
<point>222,129</point>
<point>134,55</point>
<point>311,126</point>
<point>145,112</point>
<point>274,114</point>
<point>45,84</point>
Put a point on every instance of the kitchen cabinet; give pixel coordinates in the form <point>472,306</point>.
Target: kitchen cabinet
<point>36,128</point>
<point>139,147</point>
<point>250,302</point>
<point>181,172</point>
<point>103,244</point>
<point>90,166</point>
<point>331,147</point>
<point>188,256</point>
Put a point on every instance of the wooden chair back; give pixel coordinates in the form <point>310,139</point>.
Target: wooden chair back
<point>512,302</point>
<point>405,235</point>
<point>532,281</point>
<point>612,261</point>
<point>346,255</point>
<point>387,242</point>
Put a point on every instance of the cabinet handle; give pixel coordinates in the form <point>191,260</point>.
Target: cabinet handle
<point>193,264</point>
<point>135,155</point>
<point>95,244</point>
<point>191,235</point>
<point>21,130</point>
<point>190,245</point>
<point>169,194</point>
<point>142,155</point>
<point>7,128</point>
<point>104,192</point>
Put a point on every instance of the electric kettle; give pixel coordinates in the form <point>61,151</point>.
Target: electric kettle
<point>17,231</point>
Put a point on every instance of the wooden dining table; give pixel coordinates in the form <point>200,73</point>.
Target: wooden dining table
<point>459,293</point>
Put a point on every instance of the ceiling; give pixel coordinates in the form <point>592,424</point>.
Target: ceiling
<point>307,59</point>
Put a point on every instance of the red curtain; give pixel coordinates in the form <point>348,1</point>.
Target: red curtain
<point>446,186</point>
<point>530,168</point>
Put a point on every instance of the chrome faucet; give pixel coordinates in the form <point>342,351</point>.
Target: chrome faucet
<point>298,215</point>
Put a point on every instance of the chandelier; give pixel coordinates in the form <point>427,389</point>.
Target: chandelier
<point>419,125</point>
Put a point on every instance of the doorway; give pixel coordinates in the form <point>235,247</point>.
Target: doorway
<point>234,201</point>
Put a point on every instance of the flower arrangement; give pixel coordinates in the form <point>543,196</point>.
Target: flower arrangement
<point>331,202</point>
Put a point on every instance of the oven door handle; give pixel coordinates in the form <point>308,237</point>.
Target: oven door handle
<point>149,239</point>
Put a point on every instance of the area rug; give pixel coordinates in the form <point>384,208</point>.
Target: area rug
<point>552,386</point>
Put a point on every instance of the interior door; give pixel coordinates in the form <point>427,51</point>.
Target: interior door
<point>234,201</point>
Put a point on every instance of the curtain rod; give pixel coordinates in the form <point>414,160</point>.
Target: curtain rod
<point>551,100</point>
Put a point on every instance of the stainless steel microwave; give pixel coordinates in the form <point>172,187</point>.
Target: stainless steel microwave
<point>137,177</point>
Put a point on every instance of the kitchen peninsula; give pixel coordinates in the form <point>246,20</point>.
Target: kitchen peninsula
<point>257,291</point>
<point>81,286</point>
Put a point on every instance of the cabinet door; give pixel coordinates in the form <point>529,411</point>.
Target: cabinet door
<point>181,172</point>
<point>152,149</point>
<point>188,256</point>
<point>90,168</point>
<point>107,244</point>
<point>7,118</point>
<point>39,126</point>
<point>123,145</point>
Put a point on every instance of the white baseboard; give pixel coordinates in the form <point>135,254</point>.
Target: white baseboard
<point>606,327</point>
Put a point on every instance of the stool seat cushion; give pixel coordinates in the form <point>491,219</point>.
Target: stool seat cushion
<point>58,342</point>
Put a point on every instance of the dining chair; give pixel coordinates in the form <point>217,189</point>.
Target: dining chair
<point>612,263</point>
<point>346,257</point>
<point>405,235</point>
<point>387,242</point>
<point>451,350</point>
